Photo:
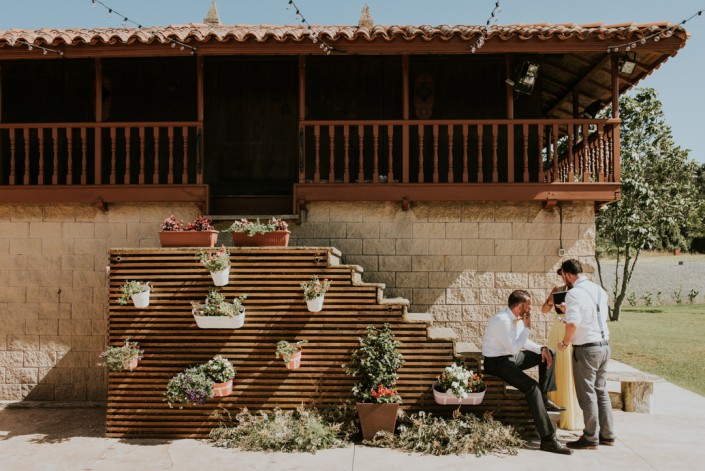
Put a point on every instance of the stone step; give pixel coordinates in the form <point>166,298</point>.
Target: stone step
<point>418,317</point>
<point>441,333</point>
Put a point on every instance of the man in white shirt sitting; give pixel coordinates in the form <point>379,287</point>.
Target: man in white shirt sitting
<point>507,333</point>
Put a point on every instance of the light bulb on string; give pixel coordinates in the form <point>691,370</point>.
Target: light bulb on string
<point>173,44</point>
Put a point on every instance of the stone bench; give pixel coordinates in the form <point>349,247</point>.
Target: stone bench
<point>636,390</point>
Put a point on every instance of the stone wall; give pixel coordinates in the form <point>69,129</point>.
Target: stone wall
<point>458,261</point>
<point>53,293</point>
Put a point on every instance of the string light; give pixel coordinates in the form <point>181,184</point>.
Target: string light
<point>655,36</point>
<point>491,21</point>
<point>311,33</point>
<point>45,50</point>
<point>126,21</point>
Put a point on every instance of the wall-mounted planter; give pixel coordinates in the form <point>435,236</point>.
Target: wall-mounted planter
<point>141,300</point>
<point>220,322</point>
<point>223,389</point>
<point>221,278</point>
<point>450,399</point>
<point>188,238</point>
<point>315,304</point>
<point>295,361</point>
<point>270,239</point>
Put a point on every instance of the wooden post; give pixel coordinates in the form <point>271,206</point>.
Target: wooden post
<point>510,115</point>
<point>616,145</point>
<point>405,117</point>
<point>302,117</point>
<point>200,165</point>
<point>98,156</point>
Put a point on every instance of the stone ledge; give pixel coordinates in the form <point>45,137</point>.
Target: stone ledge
<point>441,333</point>
<point>418,317</point>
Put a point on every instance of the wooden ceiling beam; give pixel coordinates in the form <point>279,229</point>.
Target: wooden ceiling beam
<point>569,93</point>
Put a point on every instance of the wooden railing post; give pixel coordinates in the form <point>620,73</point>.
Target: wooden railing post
<point>317,161</point>
<point>406,145</point>
<point>331,157</point>
<point>450,153</point>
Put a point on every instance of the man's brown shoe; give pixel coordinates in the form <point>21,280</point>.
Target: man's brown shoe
<point>582,443</point>
<point>554,446</point>
<point>607,441</point>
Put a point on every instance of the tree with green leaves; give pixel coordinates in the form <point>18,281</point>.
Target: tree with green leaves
<point>659,206</point>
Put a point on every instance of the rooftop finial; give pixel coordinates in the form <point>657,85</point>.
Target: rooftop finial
<point>366,20</point>
<point>212,18</point>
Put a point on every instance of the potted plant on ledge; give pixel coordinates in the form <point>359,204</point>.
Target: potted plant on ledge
<point>273,233</point>
<point>314,293</point>
<point>199,233</point>
<point>218,313</point>
<point>459,386</point>
<point>290,353</point>
<point>375,364</point>
<point>123,358</point>
<point>218,264</point>
<point>138,291</point>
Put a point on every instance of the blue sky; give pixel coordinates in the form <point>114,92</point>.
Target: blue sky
<point>679,82</point>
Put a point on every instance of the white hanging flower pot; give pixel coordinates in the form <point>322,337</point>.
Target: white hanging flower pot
<point>315,304</point>
<point>221,278</point>
<point>141,300</point>
<point>220,322</point>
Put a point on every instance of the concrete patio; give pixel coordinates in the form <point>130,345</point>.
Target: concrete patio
<point>43,438</point>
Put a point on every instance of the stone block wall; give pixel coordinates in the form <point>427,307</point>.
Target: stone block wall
<point>458,261</point>
<point>53,293</point>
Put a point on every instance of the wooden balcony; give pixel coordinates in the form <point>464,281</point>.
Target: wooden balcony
<point>532,159</point>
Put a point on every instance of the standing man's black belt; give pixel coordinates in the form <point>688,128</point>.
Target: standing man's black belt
<point>593,344</point>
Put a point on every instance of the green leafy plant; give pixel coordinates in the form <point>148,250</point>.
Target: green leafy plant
<point>219,369</point>
<point>462,434</point>
<point>256,227</point>
<point>302,430</point>
<point>632,299</point>
<point>375,362</point>
<point>659,297</point>
<point>131,288</point>
<point>118,358</point>
<point>459,381</point>
<point>191,386</point>
<point>217,261</point>
<point>647,297</point>
<point>286,350</point>
<point>692,295</point>
<point>217,305</point>
<point>315,288</point>
<point>677,295</point>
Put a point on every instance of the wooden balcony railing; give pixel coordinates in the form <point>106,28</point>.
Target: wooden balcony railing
<point>101,153</point>
<point>459,151</point>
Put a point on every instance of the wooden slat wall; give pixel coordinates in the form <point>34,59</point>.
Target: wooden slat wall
<point>275,311</point>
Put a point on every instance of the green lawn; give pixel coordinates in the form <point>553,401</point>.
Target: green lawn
<point>663,340</point>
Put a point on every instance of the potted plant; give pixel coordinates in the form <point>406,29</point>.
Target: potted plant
<point>122,358</point>
<point>456,385</point>
<point>273,233</point>
<point>290,353</point>
<point>138,291</point>
<point>221,372</point>
<point>191,386</point>
<point>375,363</point>
<point>199,233</point>
<point>314,293</point>
<point>218,313</point>
<point>218,264</point>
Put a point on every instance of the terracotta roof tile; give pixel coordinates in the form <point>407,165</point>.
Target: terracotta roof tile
<point>199,32</point>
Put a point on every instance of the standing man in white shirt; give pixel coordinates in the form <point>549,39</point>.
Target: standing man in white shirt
<point>586,326</point>
<point>507,333</point>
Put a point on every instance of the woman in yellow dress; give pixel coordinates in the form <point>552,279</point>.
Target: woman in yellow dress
<point>572,417</point>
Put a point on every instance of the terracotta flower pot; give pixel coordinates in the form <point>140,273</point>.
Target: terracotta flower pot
<point>270,239</point>
<point>315,304</point>
<point>444,398</point>
<point>223,389</point>
<point>376,417</point>
<point>295,361</point>
<point>188,238</point>
<point>132,363</point>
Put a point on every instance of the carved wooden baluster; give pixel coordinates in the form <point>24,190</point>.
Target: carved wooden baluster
<point>170,136</point>
<point>184,141</point>
<point>360,160</point>
<point>525,144</point>
<point>317,162</point>
<point>13,156</point>
<point>375,147</point>
<point>540,152</point>
<point>84,155</point>
<point>554,133</point>
<point>390,148</point>
<point>69,155</point>
<point>450,153</point>
<point>571,157</point>
<point>480,159</point>
<point>155,173</point>
<point>421,169</point>
<point>346,145</point>
<point>142,150</point>
<point>586,155</point>
<point>600,153</point>
<point>495,138</point>
<point>465,154</point>
<point>128,157</point>
<point>40,177</point>
<point>331,155</point>
<point>25,177</point>
<point>55,164</point>
<point>112,155</point>
<point>435,153</point>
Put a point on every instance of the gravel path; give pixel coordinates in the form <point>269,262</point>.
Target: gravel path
<point>662,272</point>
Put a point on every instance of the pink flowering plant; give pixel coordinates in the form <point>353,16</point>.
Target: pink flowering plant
<point>257,227</point>
<point>315,288</point>
<point>217,261</point>
<point>171,224</point>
